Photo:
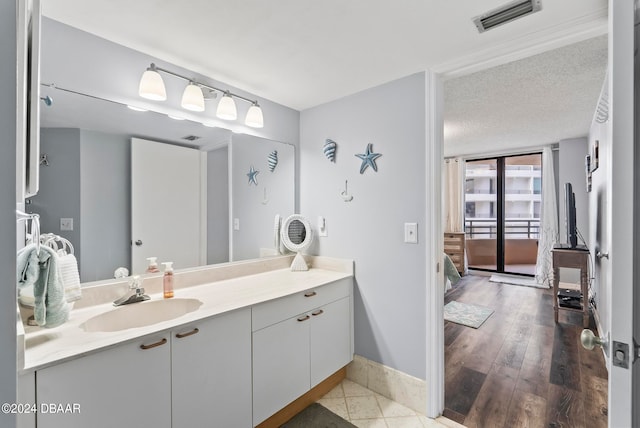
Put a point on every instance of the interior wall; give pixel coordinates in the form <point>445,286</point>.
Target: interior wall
<point>390,291</point>
<point>255,206</point>
<point>218,205</point>
<point>105,204</point>
<point>8,53</point>
<point>59,195</point>
<point>572,170</point>
<point>84,62</point>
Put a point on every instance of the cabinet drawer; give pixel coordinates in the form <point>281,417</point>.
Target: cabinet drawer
<point>268,313</point>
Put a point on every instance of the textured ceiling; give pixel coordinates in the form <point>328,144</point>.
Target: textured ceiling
<point>303,53</point>
<point>534,101</point>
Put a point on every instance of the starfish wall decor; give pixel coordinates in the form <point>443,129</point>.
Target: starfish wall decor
<point>252,175</point>
<point>368,159</point>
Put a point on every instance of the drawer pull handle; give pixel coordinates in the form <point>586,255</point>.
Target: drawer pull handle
<point>318,312</point>
<point>304,318</point>
<point>310,294</point>
<point>189,333</point>
<point>153,345</point>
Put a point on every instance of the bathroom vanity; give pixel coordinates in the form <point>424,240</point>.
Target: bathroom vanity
<point>240,342</point>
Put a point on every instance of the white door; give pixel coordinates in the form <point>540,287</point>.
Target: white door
<point>622,218</point>
<point>168,209</point>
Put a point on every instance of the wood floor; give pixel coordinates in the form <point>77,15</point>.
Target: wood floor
<point>520,369</point>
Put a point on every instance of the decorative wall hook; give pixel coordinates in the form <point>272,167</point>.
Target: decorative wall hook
<point>345,193</point>
<point>44,160</point>
<point>265,199</point>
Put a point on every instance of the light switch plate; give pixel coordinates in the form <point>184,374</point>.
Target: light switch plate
<point>66,224</point>
<point>236,224</point>
<point>411,233</point>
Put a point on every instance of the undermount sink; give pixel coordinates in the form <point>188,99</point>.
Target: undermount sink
<point>141,314</point>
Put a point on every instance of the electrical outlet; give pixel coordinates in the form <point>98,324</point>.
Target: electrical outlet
<point>66,224</point>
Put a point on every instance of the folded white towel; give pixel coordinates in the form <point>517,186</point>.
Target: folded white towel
<point>68,266</point>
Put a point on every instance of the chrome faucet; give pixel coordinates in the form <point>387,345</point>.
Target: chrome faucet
<point>135,293</point>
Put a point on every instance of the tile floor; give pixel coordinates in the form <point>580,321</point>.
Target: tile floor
<point>366,409</point>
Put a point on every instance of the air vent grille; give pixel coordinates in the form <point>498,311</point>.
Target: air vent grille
<point>191,138</point>
<point>506,13</point>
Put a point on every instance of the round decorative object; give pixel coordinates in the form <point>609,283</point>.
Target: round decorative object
<point>296,235</point>
<point>273,160</point>
<point>329,149</point>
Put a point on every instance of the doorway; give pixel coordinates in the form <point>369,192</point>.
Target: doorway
<point>502,213</point>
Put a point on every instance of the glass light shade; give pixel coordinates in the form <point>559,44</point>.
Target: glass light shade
<point>152,86</point>
<point>254,117</point>
<point>192,98</point>
<point>227,108</point>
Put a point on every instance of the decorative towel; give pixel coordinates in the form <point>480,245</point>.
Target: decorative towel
<point>70,277</point>
<point>41,272</point>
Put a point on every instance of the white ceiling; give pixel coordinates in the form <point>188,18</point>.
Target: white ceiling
<point>302,54</point>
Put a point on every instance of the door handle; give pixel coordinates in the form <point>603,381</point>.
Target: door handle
<point>138,243</point>
<point>590,340</point>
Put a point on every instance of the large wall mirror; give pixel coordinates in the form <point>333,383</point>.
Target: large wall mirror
<point>88,172</point>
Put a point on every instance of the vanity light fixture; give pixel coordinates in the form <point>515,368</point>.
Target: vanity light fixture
<point>227,108</point>
<point>192,98</point>
<point>254,116</point>
<point>134,108</point>
<point>175,117</point>
<point>152,87</point>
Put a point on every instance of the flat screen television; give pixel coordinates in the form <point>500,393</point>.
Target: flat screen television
<point>570,213</point>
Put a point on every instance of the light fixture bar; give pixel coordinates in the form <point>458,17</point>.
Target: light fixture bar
<point>204,85</point>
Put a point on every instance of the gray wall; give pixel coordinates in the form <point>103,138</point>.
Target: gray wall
<point>105,197</point>
<point>572,170</point>
<point>256,218</point>
<point>83,62</point>
<point>7,208</point>
<point>218,205</point>
<point>59,194</point>
<point>87,180</point>
<point>390,296</point>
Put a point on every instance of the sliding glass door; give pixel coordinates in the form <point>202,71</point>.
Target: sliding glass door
<point>502,213</point>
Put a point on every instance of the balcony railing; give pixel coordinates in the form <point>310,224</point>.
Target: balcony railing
<point>513,228</point>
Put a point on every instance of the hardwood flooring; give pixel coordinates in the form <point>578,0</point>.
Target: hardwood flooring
<point>520,369</point>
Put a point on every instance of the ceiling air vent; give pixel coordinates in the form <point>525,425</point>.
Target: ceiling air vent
<point>506,13</point>
<point>191,138</point>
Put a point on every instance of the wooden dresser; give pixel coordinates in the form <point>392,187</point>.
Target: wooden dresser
<point>454,248</point>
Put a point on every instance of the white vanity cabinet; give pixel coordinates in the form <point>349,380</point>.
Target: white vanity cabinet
<point>195,375</point>
<point>211,372</point>
<point>128,385</point>
<point>298,341</point>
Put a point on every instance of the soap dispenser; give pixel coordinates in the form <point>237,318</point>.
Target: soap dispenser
<point>167,280</point>
<point>153,265</point>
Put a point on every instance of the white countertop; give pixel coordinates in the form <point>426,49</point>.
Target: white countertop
<point>45,347</point>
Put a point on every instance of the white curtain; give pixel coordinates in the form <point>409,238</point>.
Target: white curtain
<point>453,194</point>
<point>548,235</point>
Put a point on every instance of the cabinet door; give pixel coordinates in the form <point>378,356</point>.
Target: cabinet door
<point>330,339</point>
<point>211,372</point>
<point>280,365</point>
<point>121,386</point>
